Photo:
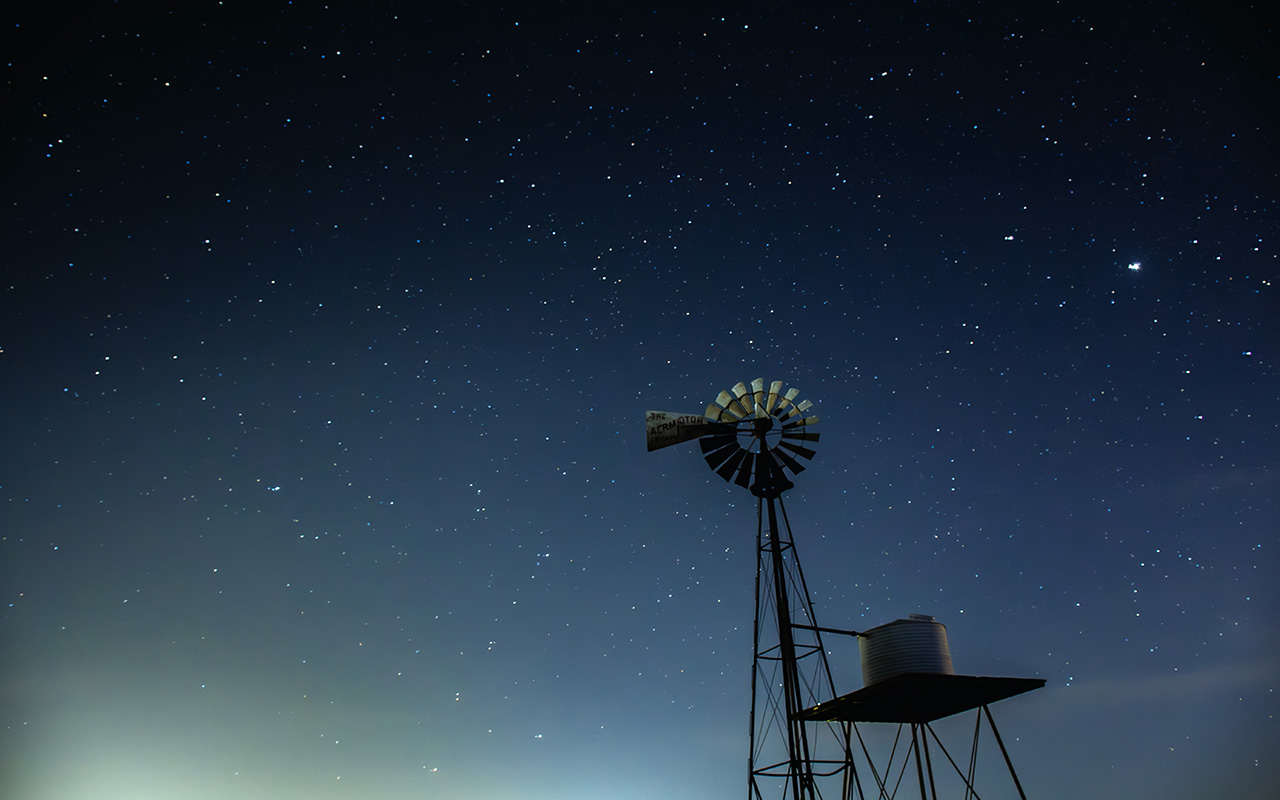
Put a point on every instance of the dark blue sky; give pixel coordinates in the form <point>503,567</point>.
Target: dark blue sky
<point>327,335</point>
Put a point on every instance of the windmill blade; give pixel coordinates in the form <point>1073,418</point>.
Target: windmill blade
<point>798,450</point>
<point>744,403</point>
<point>795,466</point>
<point>808,437</point>
<point>714,412</point>
<point>798,409</point>
<point>744,472</point>
<point>665,428</point>
<point>800,423</point>
<point>786,404</point>
<point>716,449</point>
<point>772,399</point>
<point>735,460</point>
<point>718,458</point>
<point>730,405</point>
<point>716,441</point>
<point>757,396</point>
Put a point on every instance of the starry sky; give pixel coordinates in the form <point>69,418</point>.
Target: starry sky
<point>327,333</point>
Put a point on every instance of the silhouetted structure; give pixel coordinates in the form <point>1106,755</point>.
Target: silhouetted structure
<point>801,740</point>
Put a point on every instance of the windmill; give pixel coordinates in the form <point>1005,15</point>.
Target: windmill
<point>802,734</point>
<point>756,438</point>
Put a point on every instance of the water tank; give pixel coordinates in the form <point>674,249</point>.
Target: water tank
<point>917,644</point>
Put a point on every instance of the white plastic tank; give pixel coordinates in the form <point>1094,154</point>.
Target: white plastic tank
<point>917,644</point>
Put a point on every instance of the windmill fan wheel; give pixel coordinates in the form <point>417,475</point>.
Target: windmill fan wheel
<point>758,435</point>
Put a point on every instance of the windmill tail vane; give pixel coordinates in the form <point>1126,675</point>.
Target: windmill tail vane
<point>750,436</point>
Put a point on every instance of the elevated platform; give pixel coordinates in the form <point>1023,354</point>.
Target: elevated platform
<point>919,697</point>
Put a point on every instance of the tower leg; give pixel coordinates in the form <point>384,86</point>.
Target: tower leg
<point>1008,762</point>
<point>915,746</point>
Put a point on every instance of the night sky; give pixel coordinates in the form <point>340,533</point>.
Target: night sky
<point>327,335</point>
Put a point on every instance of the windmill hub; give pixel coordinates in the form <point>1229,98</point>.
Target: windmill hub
<point>762,426</point>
